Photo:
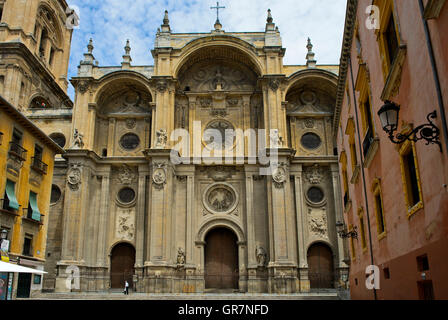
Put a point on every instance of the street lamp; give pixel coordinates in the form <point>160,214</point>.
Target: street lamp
<point>343,233</point>
<point>389,114</point>
<point>3,235</point>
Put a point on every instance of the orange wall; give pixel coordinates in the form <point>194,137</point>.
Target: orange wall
<point>426,232</point>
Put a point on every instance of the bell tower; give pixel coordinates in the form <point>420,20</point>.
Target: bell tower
<point>35,49</point>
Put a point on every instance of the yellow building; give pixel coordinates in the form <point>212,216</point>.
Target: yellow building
<point>26,172</point>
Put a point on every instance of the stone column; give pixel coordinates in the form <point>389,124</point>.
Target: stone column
<point>140,232</point>
<point>282,258</point>
<point>103,219</point>
<point>189,252</point>
<point>301,230</point>
<point>161,205</point>
<point>111,137</point>
<point>90,143</point>
<point>140,227</point>
<point>250,225</point>
<point>75,205</point>
<point>342,266</point>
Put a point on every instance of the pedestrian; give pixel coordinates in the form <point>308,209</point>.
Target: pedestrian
<point>126,287</point>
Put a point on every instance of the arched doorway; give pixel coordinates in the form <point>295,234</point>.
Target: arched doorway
<point>221,259</point>
<point>320,264</point>
<point>122,262</point>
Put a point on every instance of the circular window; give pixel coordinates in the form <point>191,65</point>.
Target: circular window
<point>315,195</point>
<point>55,194</point>
<point>59,138</point>
<point>126,195</point>
<point>311,141</point>
<point>130,141</point>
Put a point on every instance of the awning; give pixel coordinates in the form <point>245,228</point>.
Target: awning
<point>13,203</point>
<point>35,209</point>
<point>9,267</point>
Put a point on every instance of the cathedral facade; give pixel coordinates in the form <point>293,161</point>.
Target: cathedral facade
<point>144,194</point>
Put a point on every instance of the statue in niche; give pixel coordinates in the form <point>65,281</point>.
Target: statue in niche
<point>261,256</point>
<point>161,139</point>
<point>180,256</point>
<point>218,82</point>
<point>78,142</point>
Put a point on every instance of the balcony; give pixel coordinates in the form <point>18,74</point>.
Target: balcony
<point>17,152</point>
<point>28,216</point>
<point>4,208</point>
<point>368,140</point>
<point>370,146</point>
<point>38,165</point>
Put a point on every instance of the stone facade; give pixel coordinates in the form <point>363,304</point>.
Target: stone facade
<point>120,188</point>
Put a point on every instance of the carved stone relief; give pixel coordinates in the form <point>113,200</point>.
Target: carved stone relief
<point>318,225</point>
<point>220,199</point>
<point>159,174</point>
<point>125,227</point>
<point>74,176</point>
<point>314,174</point>
<point>126,175</point>
<point>212,76</point>
<point>279,176</point>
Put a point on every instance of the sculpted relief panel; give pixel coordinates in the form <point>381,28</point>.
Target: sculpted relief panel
<point>204,77</point>
<point>125,224</point>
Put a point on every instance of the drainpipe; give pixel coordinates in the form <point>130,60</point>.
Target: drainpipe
<point>435,73</point>
<point>362,169</point>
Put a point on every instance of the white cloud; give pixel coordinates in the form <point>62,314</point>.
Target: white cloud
<point>111,22</point>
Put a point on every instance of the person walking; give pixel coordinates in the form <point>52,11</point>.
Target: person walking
<point>126,287</point>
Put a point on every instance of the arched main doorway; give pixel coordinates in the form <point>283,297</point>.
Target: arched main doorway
<point>221,259</point>
<point>320,264</point>
<point>122,262</point>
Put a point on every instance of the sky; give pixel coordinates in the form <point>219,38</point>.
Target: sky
<point>111,22</point>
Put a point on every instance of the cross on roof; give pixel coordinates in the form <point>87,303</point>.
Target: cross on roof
<point>217,10</point>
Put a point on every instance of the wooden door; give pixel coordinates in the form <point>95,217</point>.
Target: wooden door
<point>221,260</point>
<point>320,264</point>
<point>122,265</point>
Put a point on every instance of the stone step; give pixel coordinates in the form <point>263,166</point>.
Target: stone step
<point>333,295</point>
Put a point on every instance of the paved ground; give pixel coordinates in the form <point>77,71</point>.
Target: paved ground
<point>327,295</point>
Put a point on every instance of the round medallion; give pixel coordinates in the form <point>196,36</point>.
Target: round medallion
<point>129,141</point>
<point>308,97</point>
<point>219,134</point>
<point>315,195</point>
<point>220,198</point>
<point>311,141</point>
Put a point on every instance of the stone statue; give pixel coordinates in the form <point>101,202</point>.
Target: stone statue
<point>180,256</point>
<point>161,139</point>
<point>276,140</point>
<point>78,143</point>
<point>261,256</point>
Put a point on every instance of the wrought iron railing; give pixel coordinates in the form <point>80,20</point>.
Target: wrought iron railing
<point>346,199</point>
<point>16,150</point>
<point>28,214</point>
<point>38,165</point>
<point>368,140</point>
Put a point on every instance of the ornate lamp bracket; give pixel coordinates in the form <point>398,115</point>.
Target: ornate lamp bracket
<point>428,132</point>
